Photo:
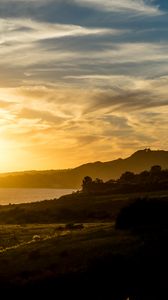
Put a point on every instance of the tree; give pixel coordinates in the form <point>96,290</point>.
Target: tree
<point>155,169</point>
<point>127,177</point>
<point>87,183</point>
<point>98,181</point>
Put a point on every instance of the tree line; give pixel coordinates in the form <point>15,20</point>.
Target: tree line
<point>152,180</point>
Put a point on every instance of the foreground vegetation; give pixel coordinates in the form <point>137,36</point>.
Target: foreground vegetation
<point>155,179</point>
<point>75,258</point>
<point>101,244</point>
<point>74,208</point>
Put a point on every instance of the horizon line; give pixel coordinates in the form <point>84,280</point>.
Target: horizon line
<point>70,168</point>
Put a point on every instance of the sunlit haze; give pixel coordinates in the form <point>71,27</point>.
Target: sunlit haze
<point>81,81</point>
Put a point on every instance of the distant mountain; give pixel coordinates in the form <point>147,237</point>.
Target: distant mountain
<point>72,178</point>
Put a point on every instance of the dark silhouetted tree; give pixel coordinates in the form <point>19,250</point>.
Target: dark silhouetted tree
<point>86,184</point>
<point>155,170</point>
<point>127,177</point>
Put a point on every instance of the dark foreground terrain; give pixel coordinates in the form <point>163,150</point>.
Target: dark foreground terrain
<point>118,251</point>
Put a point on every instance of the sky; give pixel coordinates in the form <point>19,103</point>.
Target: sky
<point>81,81</point>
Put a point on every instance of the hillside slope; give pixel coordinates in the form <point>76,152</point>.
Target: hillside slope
<point>72,178</point>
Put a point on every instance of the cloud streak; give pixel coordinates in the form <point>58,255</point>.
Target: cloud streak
<point>136,6</point>
<point>27,30</point>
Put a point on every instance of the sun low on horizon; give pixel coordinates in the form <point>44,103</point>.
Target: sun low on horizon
<point>81,81</point>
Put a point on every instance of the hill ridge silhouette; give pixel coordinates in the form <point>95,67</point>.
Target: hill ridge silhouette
<point>71,178</point>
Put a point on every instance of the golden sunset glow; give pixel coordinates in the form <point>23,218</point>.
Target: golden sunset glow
<point>78,91</point>
<point>84,149</point>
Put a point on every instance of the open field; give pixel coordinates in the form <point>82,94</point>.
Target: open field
<point>82,250</point>
<point>15,236</point>
<point>60,256</point>
<point>73,208</point>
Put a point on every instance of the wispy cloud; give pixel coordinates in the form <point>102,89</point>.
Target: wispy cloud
<point>136,6</point>
<point>20,36</point>
<point>27,30</point>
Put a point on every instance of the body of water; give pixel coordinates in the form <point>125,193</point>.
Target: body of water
<point>16,196</point>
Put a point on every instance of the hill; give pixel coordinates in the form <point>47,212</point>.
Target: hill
<point>72,178</point>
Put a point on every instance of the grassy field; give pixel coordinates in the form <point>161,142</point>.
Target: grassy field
<point>60,256</point>
<point>80,248</point>
<point>74,208</point>
<point>14,236</point>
